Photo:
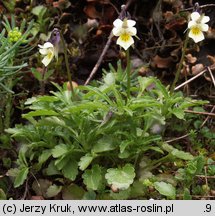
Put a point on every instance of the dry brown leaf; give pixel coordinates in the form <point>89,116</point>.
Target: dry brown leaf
<point>91,23</point>
<point>211,33</point>
<point>61,4</point>
<point>176,54</point>
<point>40,186</point>
<point>197,69</point>
<point>100,1</point>
<point>74,85</point>
<point>211,59</point>
<point>176,23</point>
<point>208,78</point>
<point>162,62</point>
<point>37,198</point>
<point>168,15</point>
<point>191,59</point>
<point>144,70</point>
<point>91,11</point>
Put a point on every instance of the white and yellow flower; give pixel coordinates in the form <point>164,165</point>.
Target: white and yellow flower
<point>48,51</point>
<point>124,29</point>
<point>197,26</point>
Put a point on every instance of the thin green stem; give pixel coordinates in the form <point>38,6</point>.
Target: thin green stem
<point>42,82</point>
<point>1,123</point>
<point>156,163</point>
<point>67,64</point>
<point>128,71</point>
<point>180,64</point>
<point>8,106</point>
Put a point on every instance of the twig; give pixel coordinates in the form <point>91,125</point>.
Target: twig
<point>196,196</point>
<point>212,110</point>
<point>202,6</point>
<point>107,45</point>
<point>160,46</point>
<point>98,63</point>
<point>190,80</point>
<point>203,176</point>
<point>180,66</point>
<point>206,179</point>
<point>26,190</point>
<point>200,113</point>
<point>178,138</point>
<point>211,74</point>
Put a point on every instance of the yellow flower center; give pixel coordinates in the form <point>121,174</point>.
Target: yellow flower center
<point>196,30</point>
<point>125,37</point>
<point>50,54</point>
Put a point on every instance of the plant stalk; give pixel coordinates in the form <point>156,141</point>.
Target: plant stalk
<point>67,64</point>
<point>156,163</point>
<point>42,82</point>
<point>8,106</point>
<point>180,63</point>
<point>128,71</point>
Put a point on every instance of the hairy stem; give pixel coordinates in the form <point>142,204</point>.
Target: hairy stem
<point>42,82</point>
<point>180,64</point>
<point>128,71</point>
<point>67,64</point>
<point>8,106</point>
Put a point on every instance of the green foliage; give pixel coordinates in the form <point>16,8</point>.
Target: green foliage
<point>100,137</point>
<point>42,20</point>
<point>39,76</point>
<point>2,195</point>
<point>12,45</point>
<point>121,178</point>
<point>165,189</point>
<point>93,177</point>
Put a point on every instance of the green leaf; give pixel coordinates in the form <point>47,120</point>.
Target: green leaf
<point>39,10</point>
<point>43,158</point>
<point>182,155</point>
<point>121,195</point>
<point>13,172</point>
<point>62,161</point>
<point>21,177</point>
<point>48,74</point>
<point>70,170</point>
<point>37,74</point>
<point>167,147</point>
<point>59,150</point>
<point>121,178</point>
<point>53,190</point>
<point>93,177</point>
<point>30,100</point>
<point>89,195</point>
<point>104,144</point>
<point>2,195</point>
<point>179,113</point>
<point>138,190</point>
<point>144,82</point>
<point>161,87</point>
<point>165,189</point>
<point>73,192</point>
<point>97,92</point>
<point>109,79</point>
<point>51,169</point>
<point>40,113</point>
<point>186,195</point>
<point>85,161</point>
